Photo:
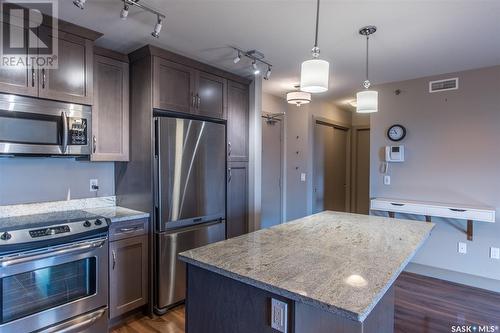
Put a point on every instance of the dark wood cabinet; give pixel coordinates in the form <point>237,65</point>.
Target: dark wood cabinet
<point>237,121</point>
<point>128,274</point>
<point>110,112</point>
<point>173,86</point>
<point>211,95</point>
<point>72,80</point>
<point>237,199</point>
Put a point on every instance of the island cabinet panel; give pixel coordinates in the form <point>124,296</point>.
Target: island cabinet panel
<point>110,113</point>
<point>211,95</point>
<point>237,199</point>
<point>18,80</point>
<point>72,80</point>
<point>309,319</point>
<point>174,86</point>
<point>237,121</point>
<point>217,304</point>
<point>128,274</point>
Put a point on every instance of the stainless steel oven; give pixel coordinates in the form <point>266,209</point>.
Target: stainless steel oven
<point>32,126</point>
<point>61,288</point>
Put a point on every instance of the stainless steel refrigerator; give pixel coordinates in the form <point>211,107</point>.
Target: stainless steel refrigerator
<point>190,192</point>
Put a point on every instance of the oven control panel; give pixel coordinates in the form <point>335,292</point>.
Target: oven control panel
<point>77,132</point>
<point>49,231</point>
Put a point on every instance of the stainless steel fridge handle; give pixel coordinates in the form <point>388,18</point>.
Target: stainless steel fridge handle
<point>230,175</point>
<point>78,324</point>
<point>32,77</point>
<point>229,149</point>
<point>114,259</point>
<point>94,144</point>
<point>65,132</point>
<point>9,261</point>
<point>43,78</point>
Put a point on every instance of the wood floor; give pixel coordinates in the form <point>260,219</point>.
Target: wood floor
<point>423,305</point>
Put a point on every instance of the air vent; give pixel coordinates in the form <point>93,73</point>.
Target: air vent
<point>443,85</point>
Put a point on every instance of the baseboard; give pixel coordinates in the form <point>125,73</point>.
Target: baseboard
<point>457,277</point>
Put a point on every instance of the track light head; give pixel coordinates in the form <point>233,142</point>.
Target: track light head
<point>268,73</point>
<point>238,58</point>
<point>256,70</point>
<point>124,12</point>
<point>79,3</point>
<point>157,29</point>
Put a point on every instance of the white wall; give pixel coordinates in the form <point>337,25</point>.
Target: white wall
<point>452,156</point>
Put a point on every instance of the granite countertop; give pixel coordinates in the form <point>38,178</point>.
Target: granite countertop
<point>118,214</point>
<point>341,262</point>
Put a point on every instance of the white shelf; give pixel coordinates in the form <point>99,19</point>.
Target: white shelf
<point>435,209</point>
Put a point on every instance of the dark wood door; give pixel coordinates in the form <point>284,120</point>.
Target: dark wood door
<point>72,80</point>
<point>237,199</point>
<point>128,274</point>
<point>237,105</point>
<point>110,113</point>
<point>18,80</point>
<point>211,95</point>
<point>174,86</point>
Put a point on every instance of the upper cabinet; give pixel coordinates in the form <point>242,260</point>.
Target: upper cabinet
<point>72,80</point>
<point>110,112</point>
<point>180,88</point>
<point>237,122</point>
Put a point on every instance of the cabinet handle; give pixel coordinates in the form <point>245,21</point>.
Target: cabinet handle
<point>198,100</point>
<point>125,230</point>
<point>43,78</point>
<point>94,144</point>
<point>32,77</point>
<point>114,258</point>
<point>193,100</point>
<point>458,210</point>
<point>397,204</point>
<point>230,175</point>
<point>229,148</point>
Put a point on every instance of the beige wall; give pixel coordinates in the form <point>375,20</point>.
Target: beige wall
<point>452,155</point>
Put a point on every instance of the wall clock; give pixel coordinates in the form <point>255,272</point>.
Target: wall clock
<point>396,132</point>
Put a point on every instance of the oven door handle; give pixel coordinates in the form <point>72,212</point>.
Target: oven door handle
<point>9,261</point>
<point>65,132</point>
<point>78,324</point>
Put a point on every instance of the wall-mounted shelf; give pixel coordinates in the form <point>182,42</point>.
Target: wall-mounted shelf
<point>433,209</point>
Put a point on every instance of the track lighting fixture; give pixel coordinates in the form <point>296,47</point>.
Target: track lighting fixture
<point>157,29</point>
<point>268,73</point>
<point>238,58</point>
<point>257,59</point>
<point>79,3</point>
<point>124,12</point>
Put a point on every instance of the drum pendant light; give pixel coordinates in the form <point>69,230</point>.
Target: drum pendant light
<point>315,72</point>
<point>367,100</point>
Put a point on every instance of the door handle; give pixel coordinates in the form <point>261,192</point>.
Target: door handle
<point>114,259</point>
<point>230,175</point>
<point>229,149</point>
<point>43,78</point>
<point>65,132</point>
<point>32,77</point>
<point>94,144</point>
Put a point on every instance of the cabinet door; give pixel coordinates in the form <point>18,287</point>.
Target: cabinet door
<point>72,80</point>
<point>128,274</point>
<point>110,112</point>
<point>237,122</point>
<point>237,197</point>
<point>211,95</point>
<point>18,80</point>
<point>173,86</point>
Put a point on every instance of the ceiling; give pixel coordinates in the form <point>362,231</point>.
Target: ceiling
<point>414,38</point>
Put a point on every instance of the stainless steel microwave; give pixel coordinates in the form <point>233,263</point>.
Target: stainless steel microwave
<point>32,126</point>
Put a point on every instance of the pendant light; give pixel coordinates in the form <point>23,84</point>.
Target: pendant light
<point>314,73</point>
<point>367,100</point>
<point>298,97</point>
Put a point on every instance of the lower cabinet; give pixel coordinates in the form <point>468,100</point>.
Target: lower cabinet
<point>237,199</point>
<point>128,274</point>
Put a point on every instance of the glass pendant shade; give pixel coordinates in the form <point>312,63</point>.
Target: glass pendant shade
<point>298,97</point>
<point>314,75</point>
<point>367,101</point>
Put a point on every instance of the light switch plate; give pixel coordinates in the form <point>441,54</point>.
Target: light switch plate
<point>494,253</point>
<point>462,247</point>
<point>279,315</point>
<point>303,177</point>
<point>387,180</point>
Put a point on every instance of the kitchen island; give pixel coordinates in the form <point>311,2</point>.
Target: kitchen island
<point>332,272</point>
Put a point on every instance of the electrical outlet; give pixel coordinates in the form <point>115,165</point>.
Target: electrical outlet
<point>387,180</point>
<point>462,247</point>
<point>279,314</point>
<point>494,253</point>
<point>94,185</point>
